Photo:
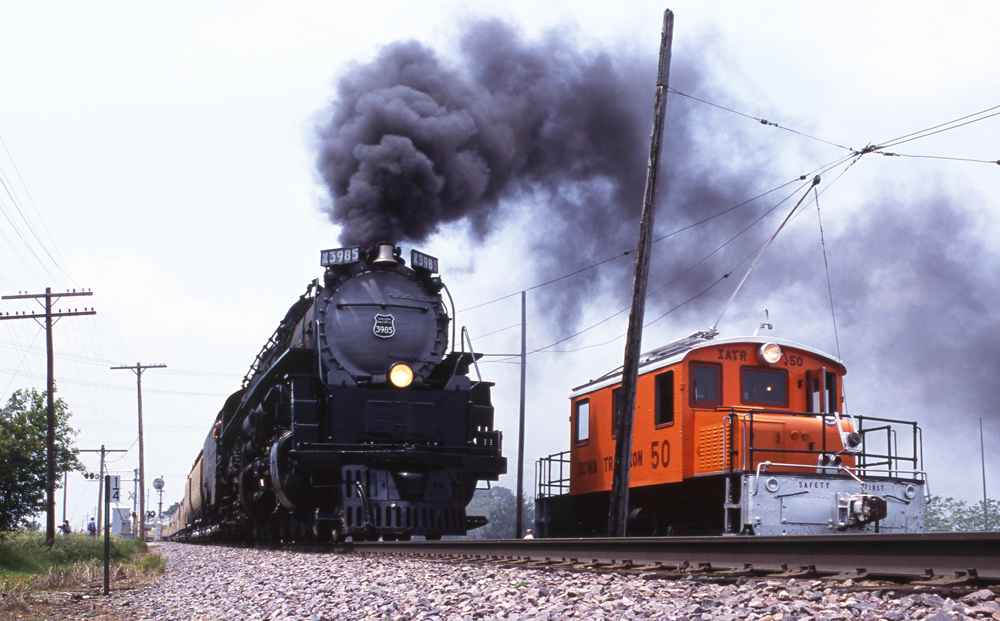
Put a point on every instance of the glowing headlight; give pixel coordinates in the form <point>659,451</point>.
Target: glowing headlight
<point>769,353</point>
<point>400,375</point>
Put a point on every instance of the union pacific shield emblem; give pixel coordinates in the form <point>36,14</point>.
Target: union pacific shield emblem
<point>384,327</point>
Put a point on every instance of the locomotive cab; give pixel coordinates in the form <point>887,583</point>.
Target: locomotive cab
<point>733,436</point>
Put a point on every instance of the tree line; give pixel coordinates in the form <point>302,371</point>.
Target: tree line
<point>946,515</point>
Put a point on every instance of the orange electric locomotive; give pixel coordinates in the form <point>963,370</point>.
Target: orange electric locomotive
<point>734,436</point>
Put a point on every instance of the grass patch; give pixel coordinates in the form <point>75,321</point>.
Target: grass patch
<point>152,564</point>
<point>72,560</point>
<point>62,582</point>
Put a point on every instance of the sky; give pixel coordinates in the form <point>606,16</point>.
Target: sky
<point>164,156</point>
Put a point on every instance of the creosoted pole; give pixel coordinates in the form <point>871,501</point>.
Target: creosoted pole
<point>50,436</point>
<point>138,369</point>
<point>519,522</point>
<point>618,511</point>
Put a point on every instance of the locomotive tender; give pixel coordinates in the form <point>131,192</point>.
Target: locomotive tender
<point>734,436</point>
<point>354,419</point>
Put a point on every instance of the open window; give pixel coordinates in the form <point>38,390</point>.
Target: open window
<point>821,393</point>
<point>665,399</point>
<point>767,387</point>
<point>706,384</point>
<point>581,422</point>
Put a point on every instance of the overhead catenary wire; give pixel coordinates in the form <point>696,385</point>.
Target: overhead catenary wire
<point>850,160</point>
<point>676,277</point>
<point>931,131</point>
<point>815,181</point>
<point>826,266</point>
<point>943,127</point>
<point>632,250</point>
<point>758,119</point>
<point>853,154</point>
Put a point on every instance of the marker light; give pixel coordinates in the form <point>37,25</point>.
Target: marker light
<point>400,375</point>
<point>769,353</point>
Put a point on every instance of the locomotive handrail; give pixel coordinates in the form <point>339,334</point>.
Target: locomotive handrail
<point>382,305</point>
<point>467,337</point>
<point>453,317</point>
<point>891,458</point>
<point>544,466</point>
<point>765,465</point>
<point>918,475</point>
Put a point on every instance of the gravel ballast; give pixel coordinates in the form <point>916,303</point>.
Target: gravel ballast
<point>231,583</point>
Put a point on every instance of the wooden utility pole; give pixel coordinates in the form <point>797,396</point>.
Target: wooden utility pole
<point>138,369</point>
<point>618,510</point>
<point>519,522</point>
<point>50,319</point>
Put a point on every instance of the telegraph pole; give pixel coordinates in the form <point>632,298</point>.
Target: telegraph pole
<point>618,510</point>
<point>519,521</point>
<point>138,369</point>
<point>50,319</point>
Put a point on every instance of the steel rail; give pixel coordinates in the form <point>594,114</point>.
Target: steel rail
<point>927,556</point>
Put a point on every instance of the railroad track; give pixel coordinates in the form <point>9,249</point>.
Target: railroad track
<point>932,559</point>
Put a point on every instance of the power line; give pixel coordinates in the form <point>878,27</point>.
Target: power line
<point>760,120</point>
<point>632,250</point>
<point>941,157</point>
<point>942,127</point>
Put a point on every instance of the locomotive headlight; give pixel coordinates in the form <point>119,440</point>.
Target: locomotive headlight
<point>400,375</point>
<point>769,353</point>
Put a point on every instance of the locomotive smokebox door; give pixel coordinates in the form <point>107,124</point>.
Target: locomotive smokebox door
<point>404,319</point>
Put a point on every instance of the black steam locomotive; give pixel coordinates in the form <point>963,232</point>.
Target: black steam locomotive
<point>354,419</point>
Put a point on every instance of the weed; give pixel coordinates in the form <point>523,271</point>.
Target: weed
<point>14,596</point>
<point>152,564</point>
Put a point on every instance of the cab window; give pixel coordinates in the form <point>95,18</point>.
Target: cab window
<point>581,423</point>
<point>616,402</point>
<point>705,380</point>
<point>763,387</point>
<point>822,393</point>
<point>665,398</point>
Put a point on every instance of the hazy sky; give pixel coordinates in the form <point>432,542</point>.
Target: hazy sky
<point>163,156</point>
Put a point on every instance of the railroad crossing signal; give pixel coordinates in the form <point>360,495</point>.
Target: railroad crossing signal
<point>114,486</point>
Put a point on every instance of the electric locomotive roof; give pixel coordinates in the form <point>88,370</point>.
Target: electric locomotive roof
<point>674,352</point>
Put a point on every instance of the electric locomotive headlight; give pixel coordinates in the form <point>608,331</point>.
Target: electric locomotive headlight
<point>769,353</point>
<point>400,375</point>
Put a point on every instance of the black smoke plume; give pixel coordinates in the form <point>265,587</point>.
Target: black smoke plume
<point>414,143</point>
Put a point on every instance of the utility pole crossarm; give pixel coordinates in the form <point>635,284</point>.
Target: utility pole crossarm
<point>53,296</point>
<point>54,315</point>
<point>139,368</point>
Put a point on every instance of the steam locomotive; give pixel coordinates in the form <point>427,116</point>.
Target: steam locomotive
<point>354,419</point>
<point>734,436</point>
